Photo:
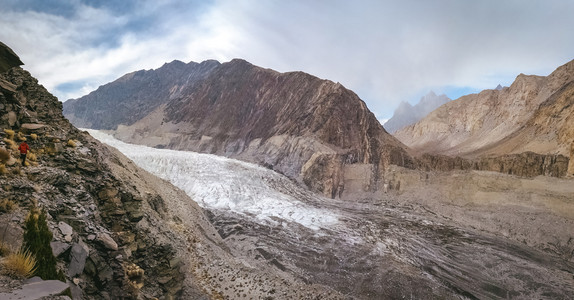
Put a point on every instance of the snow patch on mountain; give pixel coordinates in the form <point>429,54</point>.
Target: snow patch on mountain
<point>216,182</point>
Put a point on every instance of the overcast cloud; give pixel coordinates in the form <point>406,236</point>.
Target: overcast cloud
<point>385,51</point>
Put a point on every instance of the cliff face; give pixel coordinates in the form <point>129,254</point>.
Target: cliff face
<point>497,122</point>
<point>529,122</point>
<point>307,128</point>
<point>407,114</point>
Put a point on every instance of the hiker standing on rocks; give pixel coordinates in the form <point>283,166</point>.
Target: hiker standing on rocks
<point>24,148</point>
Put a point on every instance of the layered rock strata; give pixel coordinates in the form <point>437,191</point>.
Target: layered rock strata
<point>309,129</point>
<point>531,115</point>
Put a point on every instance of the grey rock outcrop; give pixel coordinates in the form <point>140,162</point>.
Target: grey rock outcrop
<point>78,259</point>
<point>36,290</point>
<point>59,247</point>
<point>406,114</point>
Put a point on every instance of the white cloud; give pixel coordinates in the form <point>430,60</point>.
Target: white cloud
<point>386,51</point>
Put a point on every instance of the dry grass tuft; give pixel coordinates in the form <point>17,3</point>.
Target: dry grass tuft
<point>7,206</point>
<point>71,143</point>
<point>21,264</point>
<point>31,156</point>
<point>10,133</point>
<point>12,144</point>
<point>34,136</point>
<point>21,137</point>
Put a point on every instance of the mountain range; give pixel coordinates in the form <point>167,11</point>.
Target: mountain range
<point>534,114</point>
<point>119,232</point>
<point>321,134</point>
<point>115,230</point>
<point>312,130</point>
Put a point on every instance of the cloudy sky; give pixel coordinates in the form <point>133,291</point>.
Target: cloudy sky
<point>386,51</point>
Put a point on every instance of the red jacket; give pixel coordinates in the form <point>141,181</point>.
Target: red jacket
<point>24,148</point>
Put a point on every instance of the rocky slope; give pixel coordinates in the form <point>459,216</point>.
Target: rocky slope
<point>533,114</point>
<point>312,130</point>
<point>93,214</point>
<point>119,232</point>
<point>406,114</point>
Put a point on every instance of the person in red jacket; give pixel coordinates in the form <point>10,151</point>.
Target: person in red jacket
<point>24,148</point>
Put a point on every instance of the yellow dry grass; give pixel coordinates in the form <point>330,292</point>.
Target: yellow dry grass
<point>10,133</point>
<point>11,144</point>
<point>21,264</point>
<point>7,205</point>
<point>31,156</point>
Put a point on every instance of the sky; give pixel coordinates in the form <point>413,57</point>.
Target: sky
<point>385,51</point>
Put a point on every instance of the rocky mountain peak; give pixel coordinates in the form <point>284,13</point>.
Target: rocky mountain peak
<point>407,114</point>
<point>295,123</point>
<point>8,59</point>
<point>428,96</point>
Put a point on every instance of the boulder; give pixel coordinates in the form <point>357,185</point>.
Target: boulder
<point>66,230</point>
<point>59,247</point>
<point>107,241</point>
<point>32,126</point>
<point>36,290</point>
<point>77,259</point>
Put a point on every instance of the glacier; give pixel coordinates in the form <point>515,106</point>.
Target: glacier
<point>220,183</point>
<point>368,249</point>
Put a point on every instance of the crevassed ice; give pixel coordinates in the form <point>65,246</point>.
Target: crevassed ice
<point>217,182</point>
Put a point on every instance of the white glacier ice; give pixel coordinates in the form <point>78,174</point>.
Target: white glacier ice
<point>221,183</point>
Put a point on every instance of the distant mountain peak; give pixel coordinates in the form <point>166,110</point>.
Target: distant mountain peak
<point>407,114</point>
<point>498,87</point>
<point>430,94</point>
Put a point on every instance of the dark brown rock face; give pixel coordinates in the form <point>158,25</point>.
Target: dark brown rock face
<point>8,58</point>
<point>307,128</point>
<point>526,164</point>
